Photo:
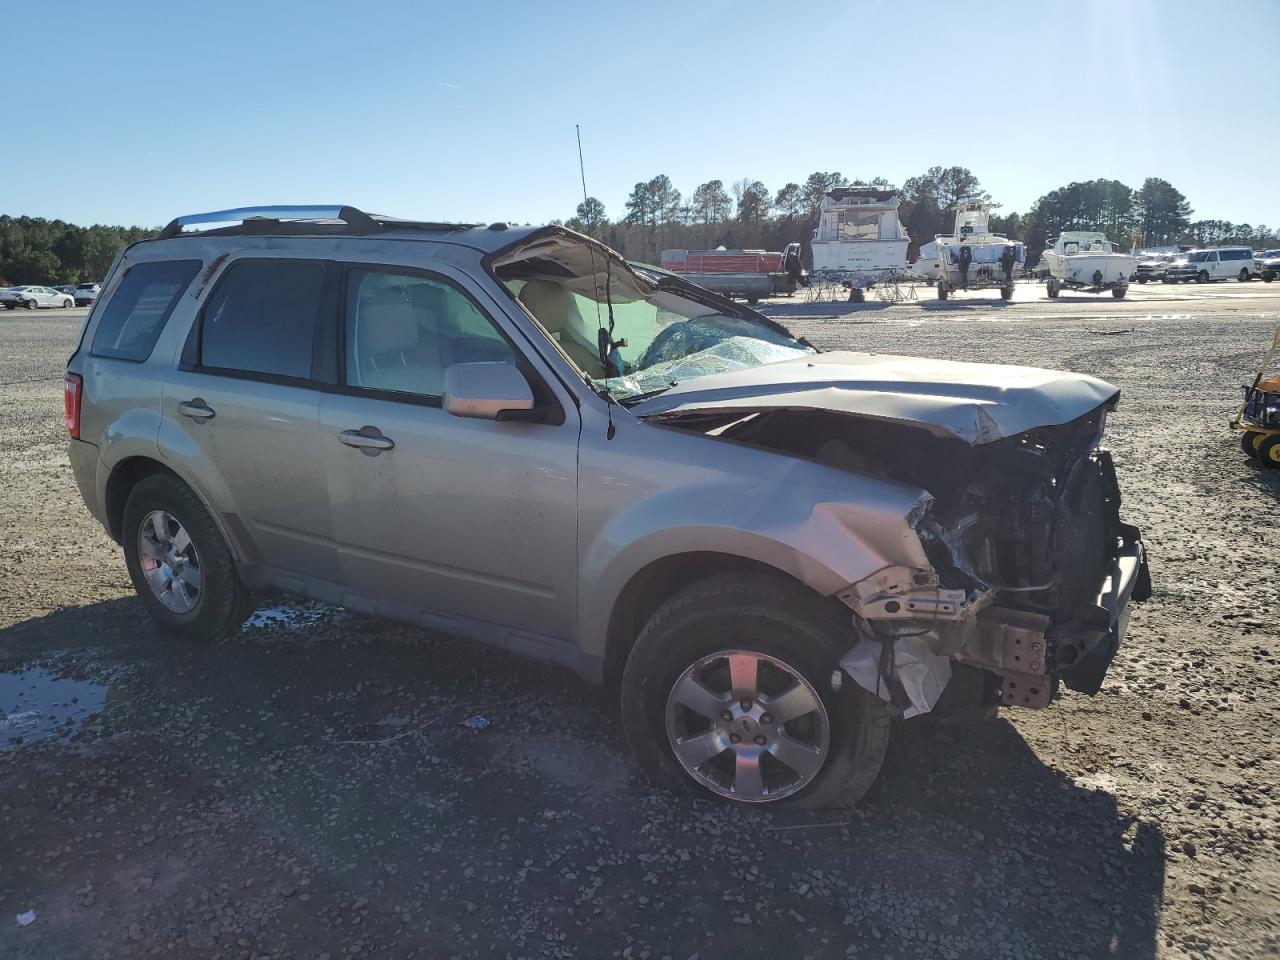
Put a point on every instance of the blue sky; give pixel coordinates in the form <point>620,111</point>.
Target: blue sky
<point>466,111</point>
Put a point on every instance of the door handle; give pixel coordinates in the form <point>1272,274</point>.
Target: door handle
<point>196,409</point>
<point>367,438</point>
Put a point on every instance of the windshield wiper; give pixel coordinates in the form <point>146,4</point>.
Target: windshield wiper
<point>639,397</point>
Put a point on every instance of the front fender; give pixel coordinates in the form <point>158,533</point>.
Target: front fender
<point>795,527</point>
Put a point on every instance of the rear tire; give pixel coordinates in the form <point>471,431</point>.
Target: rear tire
<point>1249,443</point>
<point>1244,275</point>
<point>942,291</point>
<point>795,636</point>
<point>30,304</point>
<point>221,601</point>
<point>1269,452</point>
<point>67,304</point>
<point>1119,292</point>
<point>1202,276</point>
<point>1052,289</point>
<point>1006,293</point>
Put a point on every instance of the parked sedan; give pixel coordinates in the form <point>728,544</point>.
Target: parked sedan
<point>32,297</point>
<point>86,293</point>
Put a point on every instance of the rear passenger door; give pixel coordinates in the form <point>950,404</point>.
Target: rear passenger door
<point>241,412</point>
<point>447,519</point>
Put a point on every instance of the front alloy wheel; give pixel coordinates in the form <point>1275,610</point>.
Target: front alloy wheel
<point>747,726</point>
<point>728,690</point>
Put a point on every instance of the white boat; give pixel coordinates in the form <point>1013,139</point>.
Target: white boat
<point>972,257</point>
<point>1085,260</point>
<point>859,239</point>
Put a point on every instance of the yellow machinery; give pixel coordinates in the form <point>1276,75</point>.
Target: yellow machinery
<point>1259,415</point>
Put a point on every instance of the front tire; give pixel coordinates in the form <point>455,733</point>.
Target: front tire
<point>942,290</point>
<point>728,692</point>
<point>1244,275</point>
<point>1249,441</point>
<point>1202,276</point>
<point>67,304</point>
<point>180,565</point>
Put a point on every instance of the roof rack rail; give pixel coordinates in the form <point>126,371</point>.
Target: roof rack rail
<point>357,220</point>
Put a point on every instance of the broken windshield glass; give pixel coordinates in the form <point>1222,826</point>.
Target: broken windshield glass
<point>634,334</point>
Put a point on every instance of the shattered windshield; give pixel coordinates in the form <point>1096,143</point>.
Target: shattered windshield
<point>633,338</point>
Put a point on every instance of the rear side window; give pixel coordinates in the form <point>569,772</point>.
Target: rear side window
<point>262,318</point>
<point>135,315</point>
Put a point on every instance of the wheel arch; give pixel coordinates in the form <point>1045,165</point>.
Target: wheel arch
<point>649,587</point>
<point>124,476</point>
<point>132,470</point>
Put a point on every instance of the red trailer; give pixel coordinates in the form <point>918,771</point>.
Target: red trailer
<point>744,273</point>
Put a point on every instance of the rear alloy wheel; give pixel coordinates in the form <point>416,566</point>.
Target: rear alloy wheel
<point>30,304</point>
<point>728,691</point>
<point>1269,451</point>
<point>180,565</point>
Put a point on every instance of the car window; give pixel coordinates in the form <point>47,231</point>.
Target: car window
<point>262,318</point>
<point>403,330</point>
<point>140,307</point>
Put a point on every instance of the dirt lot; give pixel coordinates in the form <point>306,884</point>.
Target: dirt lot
<point>305,789</point>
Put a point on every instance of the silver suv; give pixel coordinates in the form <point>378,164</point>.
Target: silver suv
<point>514,434</point>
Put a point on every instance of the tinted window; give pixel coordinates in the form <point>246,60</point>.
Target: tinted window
<point>140,307</point>
<point>262,318</point>
<point>403,331</point>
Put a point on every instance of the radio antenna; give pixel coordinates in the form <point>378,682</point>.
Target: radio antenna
<point>586,209</point>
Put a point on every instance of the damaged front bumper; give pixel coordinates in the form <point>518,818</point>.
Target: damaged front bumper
<point>912,630</point>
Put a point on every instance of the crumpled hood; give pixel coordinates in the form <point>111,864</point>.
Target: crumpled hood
<point>974,402</point>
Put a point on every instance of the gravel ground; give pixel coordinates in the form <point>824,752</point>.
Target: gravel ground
<point>307,789</point>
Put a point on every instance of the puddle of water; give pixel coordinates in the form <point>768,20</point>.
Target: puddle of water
<point>295,615</point>
<point>35,704</point>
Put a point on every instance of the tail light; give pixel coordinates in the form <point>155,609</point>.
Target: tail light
<point>73,388</point>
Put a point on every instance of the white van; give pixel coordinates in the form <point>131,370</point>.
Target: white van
<point>1220,263</point>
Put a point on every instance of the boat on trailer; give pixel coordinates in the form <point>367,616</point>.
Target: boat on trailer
<point>974,258</point>
<point>859,240</point>
<point>1088,261</point>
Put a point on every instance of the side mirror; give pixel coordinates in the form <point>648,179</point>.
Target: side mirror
<point>487,391</point>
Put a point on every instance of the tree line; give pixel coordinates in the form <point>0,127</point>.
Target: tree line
<point>746,214</point>
<point>743,214</point>
<point>50,252</point>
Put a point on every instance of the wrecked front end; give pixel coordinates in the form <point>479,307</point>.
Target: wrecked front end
<point>1031,569</point>
<point>1033,573</point>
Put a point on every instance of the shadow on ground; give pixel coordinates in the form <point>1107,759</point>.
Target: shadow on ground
<point>314,790</point>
